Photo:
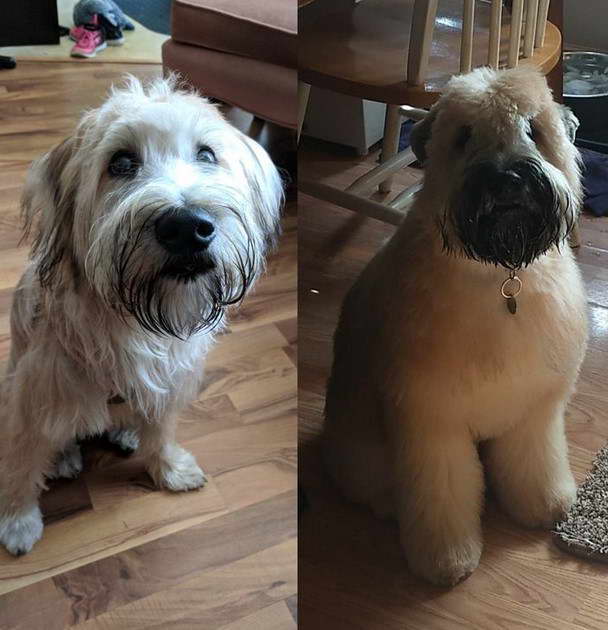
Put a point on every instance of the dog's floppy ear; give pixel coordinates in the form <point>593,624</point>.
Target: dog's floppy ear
<point>571,122</point>
<point>421,133</point>
<point>265,186</point>
<point>48,209</point>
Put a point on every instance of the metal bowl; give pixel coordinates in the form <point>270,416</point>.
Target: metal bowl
<point>590,109</point>
<point>586,64</point>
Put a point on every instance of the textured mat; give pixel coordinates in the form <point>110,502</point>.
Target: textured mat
<point>584,532</point>
<point>141,45</point>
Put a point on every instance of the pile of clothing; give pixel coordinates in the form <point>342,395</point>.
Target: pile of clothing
<point>595,181</point>
<point>98,23</point>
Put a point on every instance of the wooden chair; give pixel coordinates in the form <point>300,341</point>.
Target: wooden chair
<point>402,53</point>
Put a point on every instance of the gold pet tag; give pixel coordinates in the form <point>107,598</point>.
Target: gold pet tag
<point>509,290</point>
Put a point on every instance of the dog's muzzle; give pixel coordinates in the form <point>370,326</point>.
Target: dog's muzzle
<point>508,215</point>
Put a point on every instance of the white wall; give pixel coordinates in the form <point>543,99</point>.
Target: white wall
<point>586,24</point>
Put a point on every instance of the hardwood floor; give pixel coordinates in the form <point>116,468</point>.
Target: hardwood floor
<point>117,553</point>
<point>351,571</point>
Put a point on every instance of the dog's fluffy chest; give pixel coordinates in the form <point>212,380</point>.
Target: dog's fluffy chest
<point>449,342</point>
<point>149,373</point>
<point>506,372</point>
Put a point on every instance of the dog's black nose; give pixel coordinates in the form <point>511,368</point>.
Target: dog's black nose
<point>185,231</point>
<point>506,185</point>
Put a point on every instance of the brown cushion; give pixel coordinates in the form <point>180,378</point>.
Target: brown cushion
<point>264,89</point>
<point>261,29</point>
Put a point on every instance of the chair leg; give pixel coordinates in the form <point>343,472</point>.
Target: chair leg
<point>303,94</point>
<point>256,128</point>
<point>390,142</point>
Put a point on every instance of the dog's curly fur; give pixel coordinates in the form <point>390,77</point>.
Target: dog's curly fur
<point>103,311</point>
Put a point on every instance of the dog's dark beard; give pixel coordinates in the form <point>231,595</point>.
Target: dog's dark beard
<point>187,268</point>
<point>146,295</point>
<point>509,234</point>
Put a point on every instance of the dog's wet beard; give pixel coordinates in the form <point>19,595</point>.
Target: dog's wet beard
<point>149,296</point>
<point>187,268</point>
<point>510,234</point>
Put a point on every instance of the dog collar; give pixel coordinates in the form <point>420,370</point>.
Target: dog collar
<point>510,289</point>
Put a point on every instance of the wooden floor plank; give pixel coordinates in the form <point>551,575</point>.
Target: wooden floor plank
<point>273,617</point>
<point>219,596</point>
<point>39,605</point>
<point>594,612</point>
<point>246,445</point>
<point>95,534</point>
<point>142,571</point>
<point>245,342</point>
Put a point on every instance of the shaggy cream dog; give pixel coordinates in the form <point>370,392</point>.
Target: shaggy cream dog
<point>150,220</point>
<point>469,326</point>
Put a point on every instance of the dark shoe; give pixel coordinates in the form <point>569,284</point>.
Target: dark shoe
<point>114,36</point>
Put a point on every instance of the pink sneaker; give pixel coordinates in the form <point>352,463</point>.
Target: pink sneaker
<point>76,32</point>
<point>114,36</point>
<point>91,39</point>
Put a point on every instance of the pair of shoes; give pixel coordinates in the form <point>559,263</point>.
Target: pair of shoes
<point>93,37</point>
<point>114,36</point>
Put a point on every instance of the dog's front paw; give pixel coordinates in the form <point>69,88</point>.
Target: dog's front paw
<point>542,510</point>
<point>443,566</point>
<point>19,533</point>
<point>178,471</point>
<point>68,464</point>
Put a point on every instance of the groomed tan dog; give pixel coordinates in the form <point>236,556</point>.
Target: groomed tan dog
<point>469,326</point>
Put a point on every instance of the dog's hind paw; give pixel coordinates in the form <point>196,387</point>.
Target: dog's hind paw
<point>68,464</point>
<point>179,472</point>
<point>19,533</point>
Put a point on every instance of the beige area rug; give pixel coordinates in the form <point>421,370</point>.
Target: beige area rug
<point>584,531</point>
<point>141,45</point>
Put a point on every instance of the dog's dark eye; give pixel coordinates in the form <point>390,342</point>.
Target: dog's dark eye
<point>123,164</point>
<point>464,135</point>
<point>206,154</point>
